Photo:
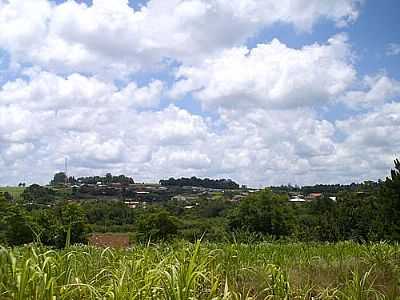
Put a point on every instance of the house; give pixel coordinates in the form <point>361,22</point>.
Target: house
<point>313,196</point>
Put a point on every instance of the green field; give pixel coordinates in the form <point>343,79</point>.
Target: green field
<point>203,271</point>
<point>13,190</point>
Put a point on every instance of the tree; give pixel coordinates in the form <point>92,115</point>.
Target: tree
<point>108,178</point>
<point>390,204</point>
<point>38,195</point>
<point>263,212</point>
<point>157,225</point>
<point>8,197</point>
<point>198,182</point>
<point>317,220</point>
<point>357,217</point>
<point>15,224</point>
<point>47,227</point>
<point>59,178</point>
<point>73,224</point>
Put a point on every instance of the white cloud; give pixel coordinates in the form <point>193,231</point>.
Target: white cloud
<point>255,147</point>
<point>96,125</point>
<point>17,151</point>
<point>376,90</point>
<point>47,91</point>
<point>182,161</point>
<point>112,39</point>
<point>374,129</point>
<point>393,49</point>
<point>371,142</point>
<point>274,146</point>
<point>270,75</point>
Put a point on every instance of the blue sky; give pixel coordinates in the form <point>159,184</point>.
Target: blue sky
<point>264,93</point>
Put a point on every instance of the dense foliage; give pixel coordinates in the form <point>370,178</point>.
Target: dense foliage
<point>265,213</point>
<point>198,182</point>
<point>61,178</point>
<point>38,195</point>
<point>63,223</point>
<point>327,189</point>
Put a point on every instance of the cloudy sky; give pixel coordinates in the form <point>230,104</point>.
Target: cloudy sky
<point>261,91</point>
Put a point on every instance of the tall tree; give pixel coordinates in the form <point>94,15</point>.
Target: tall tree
<point>390,204</point>
<point>59,178</point>
<point>263,212</point>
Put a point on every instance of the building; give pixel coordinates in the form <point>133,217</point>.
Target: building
<point>313,196</point>
<point>297,198</point>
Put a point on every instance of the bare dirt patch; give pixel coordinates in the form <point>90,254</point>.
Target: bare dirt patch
<point>109,240</point>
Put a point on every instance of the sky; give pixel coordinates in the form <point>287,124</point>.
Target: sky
<point>263,92</point>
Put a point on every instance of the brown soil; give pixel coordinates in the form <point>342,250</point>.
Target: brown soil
<point>109,240</point>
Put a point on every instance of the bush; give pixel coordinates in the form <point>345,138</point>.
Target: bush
<point>157,225</point>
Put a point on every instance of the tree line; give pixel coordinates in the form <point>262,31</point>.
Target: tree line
<point>199,182</point>
<point>61,178</point>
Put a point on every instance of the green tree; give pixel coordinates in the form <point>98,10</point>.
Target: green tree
<point>356,216</point>
<point>157,225</point>
<point>59,178</point>
<point>390,204</point>
<point>317,220</point>
<point>47,227</point>
<point>38,195</point>
<point>72,224</point>
<point>15,224</point>
<point>263,212</point>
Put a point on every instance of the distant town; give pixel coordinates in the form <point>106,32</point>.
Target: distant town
<point>187,191</point>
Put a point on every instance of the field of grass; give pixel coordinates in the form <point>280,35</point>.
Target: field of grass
<point>13,190</point>
<point>203,271</point>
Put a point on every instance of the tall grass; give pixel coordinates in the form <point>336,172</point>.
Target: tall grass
<point>203,271</point>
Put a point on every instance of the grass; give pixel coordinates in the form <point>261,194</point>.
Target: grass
<point>13,190</point>
<point>203,271</point>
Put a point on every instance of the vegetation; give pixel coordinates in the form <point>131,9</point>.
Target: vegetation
<point>61,178</point>
<point>182,270</point>
<point>265,213</point>
<point>372,214</point>
<point>327,189</point>
<point>198,182</point>
<point>261,247</point>
<point>12,191</point>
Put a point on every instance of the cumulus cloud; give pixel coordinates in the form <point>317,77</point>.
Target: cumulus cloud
<point>96,125</point>
<point>375,90</point>
<point>371,143</point>
<point>374,129</point>
<point>113,39</point>
<point>47,91</point>
<point>270,75</point>
<point>257,147</point>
